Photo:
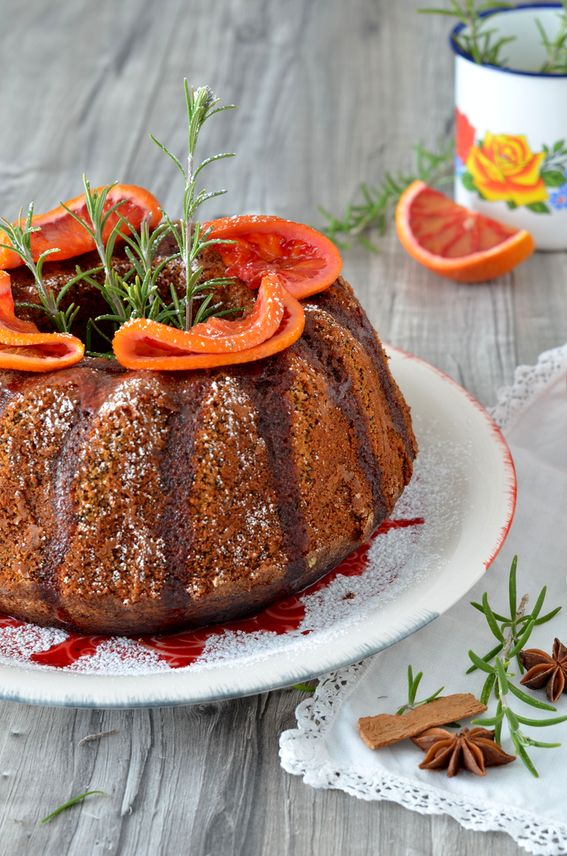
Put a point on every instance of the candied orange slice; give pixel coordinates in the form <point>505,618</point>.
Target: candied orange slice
<point>221,336</point>
<point>24,348</point>
<point>272,326</point>
<point>58,229</point>
<point>307,261</point>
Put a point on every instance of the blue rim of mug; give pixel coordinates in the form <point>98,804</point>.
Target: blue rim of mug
<point>456,48</point>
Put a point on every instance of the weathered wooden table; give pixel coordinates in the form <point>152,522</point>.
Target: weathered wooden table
<point>330,93</point>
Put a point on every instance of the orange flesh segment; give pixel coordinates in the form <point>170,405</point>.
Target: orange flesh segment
<point>144,344</point>
<point>58,229</point>
<point>454,241</point>
<point>446,229</point>
<point>307,260</point>
<point>24,348</point>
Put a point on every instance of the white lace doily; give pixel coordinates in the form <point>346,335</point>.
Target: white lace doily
<point>529,382</point>
<point>325,748</point>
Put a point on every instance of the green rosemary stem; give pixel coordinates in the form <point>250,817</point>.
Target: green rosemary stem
<point>512,634</point>
<point>375,205</point>
<point>19,235</point>
<point>413,684</point>
<point>200,105</point>
<point>95,206</point>
<point>188,261</point>
<point>556,49</point>
<point>197,104</point>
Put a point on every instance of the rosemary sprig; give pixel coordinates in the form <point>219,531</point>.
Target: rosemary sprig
<point>201,104</point>
<point>137,290</point>
<point>512,633</point>
<point>482,44</point>
<point>19,235</point>
<point>556,48</point>
<point>98,219</point>
<point>70,803</point>
<point>135,293</point>
<point>477,38</point>
<point>376,204</point>
<point>413,684</point>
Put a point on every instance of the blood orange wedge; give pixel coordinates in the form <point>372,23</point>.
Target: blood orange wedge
<point>57,228</point>
<point>455,242</point>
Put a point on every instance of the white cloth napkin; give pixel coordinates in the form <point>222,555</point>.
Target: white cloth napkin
<point>326,749</point>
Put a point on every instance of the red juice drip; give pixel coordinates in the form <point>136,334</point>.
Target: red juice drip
<point>69,651</point>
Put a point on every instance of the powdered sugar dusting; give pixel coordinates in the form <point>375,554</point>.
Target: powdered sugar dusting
<point>19,642</point>
<point>116,656</point>
<point>227,439</point>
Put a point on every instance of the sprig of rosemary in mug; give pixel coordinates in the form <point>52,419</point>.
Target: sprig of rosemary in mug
<point>374,209</point>
<point>481,42</point>
<point>556,49</point>
<point>477,38</point>
<point>19,235</point>
<point>512,633</point>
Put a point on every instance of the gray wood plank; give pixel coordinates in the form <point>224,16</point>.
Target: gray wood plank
<point>330,93</point>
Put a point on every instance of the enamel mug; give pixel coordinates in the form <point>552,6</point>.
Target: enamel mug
<point>511,129</point>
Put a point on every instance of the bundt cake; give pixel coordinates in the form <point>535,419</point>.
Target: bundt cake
<point>137,501</point>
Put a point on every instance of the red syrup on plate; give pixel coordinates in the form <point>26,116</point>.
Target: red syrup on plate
<point>186,646</point>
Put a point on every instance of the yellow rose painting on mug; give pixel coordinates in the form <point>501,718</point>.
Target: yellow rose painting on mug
<point>504,168</point>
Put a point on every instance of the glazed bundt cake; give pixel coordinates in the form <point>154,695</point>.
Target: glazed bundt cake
<point>137,501</point>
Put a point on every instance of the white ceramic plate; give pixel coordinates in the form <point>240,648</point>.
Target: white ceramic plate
<point>453,519</point>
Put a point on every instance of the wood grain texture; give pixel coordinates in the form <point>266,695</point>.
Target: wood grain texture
<point>330,93</point>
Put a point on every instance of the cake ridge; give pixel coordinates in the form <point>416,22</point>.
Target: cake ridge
<point>364,332</point>
<point>273,421</point>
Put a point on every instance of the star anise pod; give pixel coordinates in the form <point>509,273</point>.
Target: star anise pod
<point>471,750</point>
<point>546,671</point>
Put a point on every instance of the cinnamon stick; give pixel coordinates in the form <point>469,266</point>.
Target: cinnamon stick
<point>386,728</point>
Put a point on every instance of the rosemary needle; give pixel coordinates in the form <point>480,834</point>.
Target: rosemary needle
<point>413,684</point>
<point>70,803</point>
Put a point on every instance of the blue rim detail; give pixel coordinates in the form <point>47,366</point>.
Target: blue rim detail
<point>502,11</point>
